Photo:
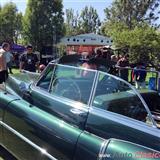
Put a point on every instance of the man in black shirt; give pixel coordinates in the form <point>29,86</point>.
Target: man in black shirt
<point>28,60</point>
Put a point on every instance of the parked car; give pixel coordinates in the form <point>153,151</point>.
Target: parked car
<point>65,114</point>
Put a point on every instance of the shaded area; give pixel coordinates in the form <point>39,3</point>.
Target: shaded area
<point>4,155</point>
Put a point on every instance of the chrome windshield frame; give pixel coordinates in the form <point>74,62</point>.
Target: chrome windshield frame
<point>94,85</point>
<point>133,89</point>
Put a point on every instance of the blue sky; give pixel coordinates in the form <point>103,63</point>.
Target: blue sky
<point>99,5</point>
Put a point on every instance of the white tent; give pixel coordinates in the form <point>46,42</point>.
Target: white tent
<point>87,39</point>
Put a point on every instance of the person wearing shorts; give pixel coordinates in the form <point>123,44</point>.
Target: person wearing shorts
<point>3,65</point>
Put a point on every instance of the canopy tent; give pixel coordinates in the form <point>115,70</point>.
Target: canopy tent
<point>17,48</point>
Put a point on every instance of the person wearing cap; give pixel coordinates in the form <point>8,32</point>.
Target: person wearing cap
<point>3,65</point>
<point>28,60</point>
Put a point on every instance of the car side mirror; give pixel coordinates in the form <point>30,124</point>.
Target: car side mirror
<point>26,95</point>
<point>23,87</point>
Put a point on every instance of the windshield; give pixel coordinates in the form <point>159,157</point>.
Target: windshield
<point>115,95</point>
<point>73,83</point>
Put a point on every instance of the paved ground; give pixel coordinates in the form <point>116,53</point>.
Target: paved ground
<point>4,155</point>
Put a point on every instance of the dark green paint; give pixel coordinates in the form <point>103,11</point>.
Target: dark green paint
<point>51,123</point>
<point>127,151</point>
<point>109,125</point>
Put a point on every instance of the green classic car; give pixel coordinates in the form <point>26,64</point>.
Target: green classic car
<point>74,113</point>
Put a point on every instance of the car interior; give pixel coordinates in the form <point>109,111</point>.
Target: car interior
<point>153,101</point>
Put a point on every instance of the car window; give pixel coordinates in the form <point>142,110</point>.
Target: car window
<point>116,96</point>
<point>70,82</point>
<point>45,80</point>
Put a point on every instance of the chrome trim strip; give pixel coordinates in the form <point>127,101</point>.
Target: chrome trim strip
<point>134,144</point>
<point>42,74</point>
<point>103,149</point>
<point>93,88</point>
<point>43,151</point>
<point>52,77</point>
<point>142,126</point>
<point>75,67</point>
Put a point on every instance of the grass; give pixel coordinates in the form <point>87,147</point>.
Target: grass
<point>148,77</point>
<point>15,70</point>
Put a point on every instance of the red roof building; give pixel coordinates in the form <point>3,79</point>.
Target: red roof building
<point>85,43</point>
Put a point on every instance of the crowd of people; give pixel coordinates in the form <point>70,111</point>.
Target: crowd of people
<point>29,61</point>
<point>121,66</point>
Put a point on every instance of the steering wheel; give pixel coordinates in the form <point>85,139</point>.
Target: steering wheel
<point>66,87</point>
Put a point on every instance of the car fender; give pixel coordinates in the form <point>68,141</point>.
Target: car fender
<point>5,100</point>
<point>120,149</point>
<point>90,146</point>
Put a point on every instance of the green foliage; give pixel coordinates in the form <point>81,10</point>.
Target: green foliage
<point>10,25</point>
<point>142,42</point>
<point>72,23</point>
<point>129,25</point>
<point>43,22</point>
<point>130,11</point>
<point>86,22</point>
<point>90,20</point>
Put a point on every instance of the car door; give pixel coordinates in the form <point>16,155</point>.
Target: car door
<point>118,112</point>
<point>68,95</point>
<point>50,121</point>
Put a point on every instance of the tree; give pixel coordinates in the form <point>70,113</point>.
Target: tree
<point>43,22</point>
<point>86,22</point>
<point>72,23</point>
<point>9,26</point>
<point>128,22</point>
<point>131,11</point>
<point>142,42</point>
<point>90,21</point>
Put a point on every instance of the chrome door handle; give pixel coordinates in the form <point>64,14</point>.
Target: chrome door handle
<point>78,112</point>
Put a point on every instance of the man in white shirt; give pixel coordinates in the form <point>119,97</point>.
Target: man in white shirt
<point>3,65</point>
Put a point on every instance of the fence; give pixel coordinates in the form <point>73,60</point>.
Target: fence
<point>152,79</point>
